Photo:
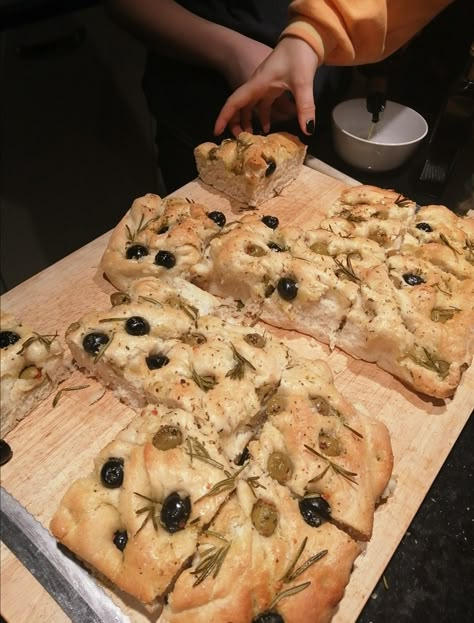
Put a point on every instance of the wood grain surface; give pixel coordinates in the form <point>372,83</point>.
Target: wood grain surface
<point>54,446</point>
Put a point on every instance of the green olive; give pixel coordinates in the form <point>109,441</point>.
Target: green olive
<point>329,443</point>
<point>275,405</point>
<point>320,247</point>
<point>120,298</point>
<point>255,339</point>
<point>194,339</point>
<point>264,517</point>
<point>279,466</point>
<point>168,436</point>
<point>29,373</point>
<point>322,406</point>
<point>212,153</point>
<point>254,250</point>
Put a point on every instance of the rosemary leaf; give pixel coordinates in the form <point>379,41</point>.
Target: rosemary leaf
<point>111,320</point>
<point>210,564</point>
<point>237,372</point>
<point>337,469</point>
<point>104,348</point>
<point>46,340</point>
<point>67,389</point>
<point>225,484</point>
<point>288,593</point>
<point>204,382</point>
<point>149,299</point>
<point>353,430</point>
<point>445,241</point>
<point>402,202</point>
<point>347,269</point>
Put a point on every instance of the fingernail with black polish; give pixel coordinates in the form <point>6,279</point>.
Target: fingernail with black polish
<point>310,126</point>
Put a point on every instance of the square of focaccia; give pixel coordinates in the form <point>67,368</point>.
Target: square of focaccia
<point>31,367</point>
<point>314,441</point>
<point>137,517</point>
<point>158,238</point>
<point>251,168</point>
<point>264,558</point>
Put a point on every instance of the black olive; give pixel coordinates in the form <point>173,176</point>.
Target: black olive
<point>275,247</point>
<point>94,342</point>
<point>7,338</point>
<point>314,510</point>
<point>165,258</point>
<point>270,221</point>
<point>154,362</point>
<point>424,227</point>
<point>269,616</point>
<point>413,280</point>
<point>111,473</point>
<point>163,229</point>
<point>136,252</point>
<point>217,217</point>
<point>120,539</point>
<point>136,325</point>
<point>244,457</point>
<point>287,288</point>
<point>175,512</point>
<point>5,452</point>
<point>270,168</point>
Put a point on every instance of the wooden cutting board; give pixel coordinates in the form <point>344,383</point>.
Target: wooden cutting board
<point>54,446</point>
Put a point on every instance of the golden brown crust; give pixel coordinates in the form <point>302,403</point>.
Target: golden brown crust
<point>174,225</point>
<point>256,567</point>
<point>251,168</point>
<point>31,367</point>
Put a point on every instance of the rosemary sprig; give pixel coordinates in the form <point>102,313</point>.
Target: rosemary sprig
<point>211,562</point>
<point>237,372</point>
<point>66,389</point>
<point>226,484</point>
<point>204,382</point>
<point>337,469</point>
<point>196,450</point>
<point>291,574</point>
<point>402,202</point>
<point>436,285</point>
<point>288,593</point>
<point>430,362</point>
<point>178,303</point>
<point>46,340</point>
<point>141,227</point>
<point>347,269</point>
<point>253,483</point>
<point>151,510</point>
<point>445,241</point>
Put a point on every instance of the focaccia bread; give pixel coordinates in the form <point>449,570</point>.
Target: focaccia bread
<point>160,238</point>
<point>137,517</point>
<point>376,279</point>
<point>251,168</point>
<point>234,378</point>
<point>266,557</point>
<point>31,368</point>
<point>315,442</point>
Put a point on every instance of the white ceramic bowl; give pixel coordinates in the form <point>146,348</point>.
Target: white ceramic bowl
<point>394,138</point>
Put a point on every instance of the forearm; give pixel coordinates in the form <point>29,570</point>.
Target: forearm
<point>173,31</point>
<point>348,32</point>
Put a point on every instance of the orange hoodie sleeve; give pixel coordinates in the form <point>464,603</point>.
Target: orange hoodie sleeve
<point>356,32</point>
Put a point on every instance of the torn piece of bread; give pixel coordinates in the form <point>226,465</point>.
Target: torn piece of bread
<point>251,168</point>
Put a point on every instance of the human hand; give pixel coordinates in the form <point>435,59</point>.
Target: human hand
<point>238,67</point>
<point>290,67</point>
